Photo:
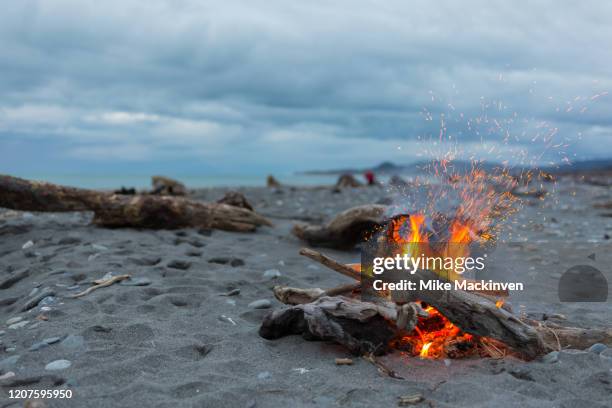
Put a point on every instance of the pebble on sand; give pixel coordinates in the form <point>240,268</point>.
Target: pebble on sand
<point>13,320</point>
<point>271,274</point>
<point>19,325</point>
<point>260,304</point>
<point>58,365</point>
<point>27,245</point>
<point>598,348</point>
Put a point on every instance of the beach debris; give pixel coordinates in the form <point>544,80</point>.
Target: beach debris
<point>412,399</point>
<point>271,274</point>
<point>260,304</point>
<point>136,282</point>
<point>27,245</point>
<point>344,231</point>
<point>232,292</point>
<point>344,361</point>
<point>272,182</point>
<point>140,211</point>
<point>101,284</point>
<point>167,186</point>
<point>347,180</point>
<point>58,365</point>
<point>235,199</point>
<point>226,319</point>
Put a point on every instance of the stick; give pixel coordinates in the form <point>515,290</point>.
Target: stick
<point>108,282</point>
<point>330,263</point>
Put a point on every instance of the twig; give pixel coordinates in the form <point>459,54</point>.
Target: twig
<point>108,282</point>
<point>382,368</point>
<point>330,263</point>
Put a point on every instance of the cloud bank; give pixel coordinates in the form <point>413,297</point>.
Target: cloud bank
<point>258,86</point>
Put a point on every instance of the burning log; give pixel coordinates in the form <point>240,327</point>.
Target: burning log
<point>473,313</point>
<point>346,230</point>
<point>111,210</point>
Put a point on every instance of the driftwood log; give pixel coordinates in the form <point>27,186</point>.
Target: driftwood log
<point>111,210</point>
<point>361,327</point>
<point>354,323</point>
<point>346,230</point>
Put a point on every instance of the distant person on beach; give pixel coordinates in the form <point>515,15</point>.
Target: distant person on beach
<point>369,176</point>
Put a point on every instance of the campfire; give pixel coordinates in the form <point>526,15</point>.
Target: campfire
<point>457,325</point>
<point>456,322</point>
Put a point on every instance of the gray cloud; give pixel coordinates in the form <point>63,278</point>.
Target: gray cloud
<point>294,85</point>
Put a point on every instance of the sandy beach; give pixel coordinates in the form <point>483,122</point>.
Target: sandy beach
<point>183,332</point>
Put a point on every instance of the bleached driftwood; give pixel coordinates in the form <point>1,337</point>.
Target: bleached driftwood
<point>140,211</point>
<point>346,230</point>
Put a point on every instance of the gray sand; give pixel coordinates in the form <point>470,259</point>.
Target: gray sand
<point>175,342</point>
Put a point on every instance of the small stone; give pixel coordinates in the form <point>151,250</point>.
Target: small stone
<point>9,362</point>
<point>232,292</point>
<point>38,346</point>
<point>92,257</point>
<point>18,325</point>
<point>271,274</point>
<point>10,349</point>
<point>58,365</point>
<point>47,301</point>
<point>597,348</point>
<point>98,247</point>
<point>178,264</point>
<point>52,340</point>
<point>551,357</point>
<point>27,245</point>
<point>7,375</point>
<point>33,292</point>
<point>226,319</point>
<point>13,320</point>
<point>2,332</point>
<point>556,275</point>
<point>136,282</point>
<point>264,375</point>
<point>73,342</point>
<point>260,304</point>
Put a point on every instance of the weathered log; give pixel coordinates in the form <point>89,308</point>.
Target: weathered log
<point>235,199</point>
<point>110,210</point>
<point>272,182</point>
<point>297,296</point>
<point>348,180</point>
<point>358,326</point>
<point>472,313</point>
<point>167,186</point>
<point>559,337</point>
<point>346,230</point>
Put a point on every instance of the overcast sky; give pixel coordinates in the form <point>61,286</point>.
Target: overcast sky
<point>278,86</point>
